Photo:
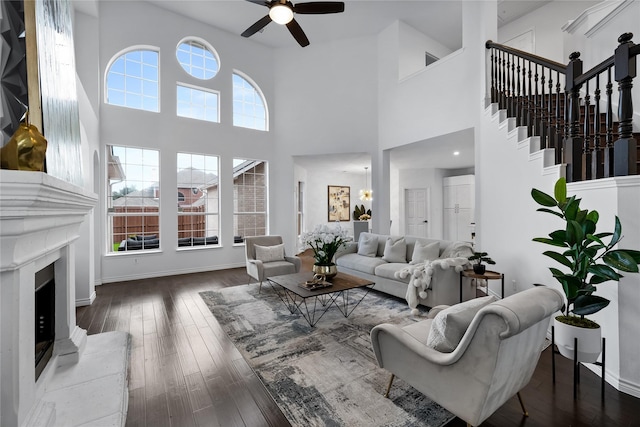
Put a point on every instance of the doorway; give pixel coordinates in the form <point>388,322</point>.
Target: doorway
<point>416,208</point>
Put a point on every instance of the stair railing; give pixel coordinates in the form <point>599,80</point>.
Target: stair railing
<point>583,137</point>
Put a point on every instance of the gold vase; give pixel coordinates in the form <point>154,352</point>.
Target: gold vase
<point>25,150</point>
<point>328,271</point>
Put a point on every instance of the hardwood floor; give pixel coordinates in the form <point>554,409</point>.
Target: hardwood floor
<point>184,371</point>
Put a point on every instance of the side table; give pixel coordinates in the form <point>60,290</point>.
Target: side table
<point>488,275</point>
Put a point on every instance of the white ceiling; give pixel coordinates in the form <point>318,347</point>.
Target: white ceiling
<point>438,19</point>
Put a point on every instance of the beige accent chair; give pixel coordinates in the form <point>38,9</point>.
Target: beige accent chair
<point>494,360</point>
<point>260,270</point>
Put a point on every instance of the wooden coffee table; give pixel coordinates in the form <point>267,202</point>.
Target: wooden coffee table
<point>313,304</point>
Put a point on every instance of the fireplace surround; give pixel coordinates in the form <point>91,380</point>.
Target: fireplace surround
<point>40,218</point>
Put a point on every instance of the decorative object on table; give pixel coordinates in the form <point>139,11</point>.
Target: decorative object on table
<point>590,260</point>
<point>319,281</point>
<point>361,214</point>
<point>322,375</point>
<point>366,194</point>
<point>325,241</point>
<point>339,203</point>
<point>477,260</point>
<point>25,150</point>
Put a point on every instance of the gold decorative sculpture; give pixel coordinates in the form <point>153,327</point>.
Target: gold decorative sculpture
<point>25,150</point>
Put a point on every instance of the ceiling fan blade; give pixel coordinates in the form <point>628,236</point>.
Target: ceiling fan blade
<point>260,2</point>
<point>296,31</point>
<point>319,7</point>
<point>257,26</point>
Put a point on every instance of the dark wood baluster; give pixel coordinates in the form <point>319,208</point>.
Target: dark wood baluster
<point>597,166</point>
<point>493,76</point>
<point>536,118</point>
<point>508,93</point>
<point>530,104</point>
<point>625,151</point>
<point>549,113</point>
<point>518,103</point>
<point>503,104</point>
<point>608,149</point>
<point>586,149</point>
<point>512,93</point>
<point>558,121</point>
<point>572,155</point>
<point>541,113</point>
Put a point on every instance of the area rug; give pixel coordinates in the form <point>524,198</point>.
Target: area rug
<point>324,375</point>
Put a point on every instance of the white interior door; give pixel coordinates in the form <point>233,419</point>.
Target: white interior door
<point>417,212</point>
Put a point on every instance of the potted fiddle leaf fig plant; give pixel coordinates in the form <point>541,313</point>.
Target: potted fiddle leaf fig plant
<point>477,260</point>
<point>589,259</point>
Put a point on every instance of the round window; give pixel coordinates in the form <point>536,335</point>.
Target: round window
<point>198,59</point>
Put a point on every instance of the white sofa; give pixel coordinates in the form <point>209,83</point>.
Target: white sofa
<point>444,283</point>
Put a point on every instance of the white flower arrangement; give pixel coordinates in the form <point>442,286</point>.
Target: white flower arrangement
<point>325,241</point>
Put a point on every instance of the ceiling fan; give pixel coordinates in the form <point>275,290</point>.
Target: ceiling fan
<point>281,12</point>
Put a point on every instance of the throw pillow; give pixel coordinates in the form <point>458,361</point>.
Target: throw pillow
<point>425,252</point>
<point>367,245</point>
<point>450,325</point>
<point>395,250</point>
<point>457,249</point>
<point>270,253</point>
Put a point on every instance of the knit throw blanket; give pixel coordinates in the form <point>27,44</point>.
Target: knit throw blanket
<point>421,277</point>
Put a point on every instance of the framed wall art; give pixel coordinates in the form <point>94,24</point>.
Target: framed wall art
<point>339,203</point>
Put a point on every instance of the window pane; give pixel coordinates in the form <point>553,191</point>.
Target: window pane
<point>197,59</point>
<point>250,198</point>
<point>197,178</point>
<point>133,199</point>
<point>197,104</point>
<point>134,73</point>
<point>248,105</point>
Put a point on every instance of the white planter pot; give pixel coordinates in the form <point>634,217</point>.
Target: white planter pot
<point>589,341</point>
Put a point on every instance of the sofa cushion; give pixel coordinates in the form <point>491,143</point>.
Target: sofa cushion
<point>360,263</point>
<point>270,253</point>
<point>425,252</point>
<point>457,249</point>
<point>367,245</point>
<point>449,325</point>
<point>388,271</point>
<point>395,250</point>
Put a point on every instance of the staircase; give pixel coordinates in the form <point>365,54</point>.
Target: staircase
<point>571,111</point>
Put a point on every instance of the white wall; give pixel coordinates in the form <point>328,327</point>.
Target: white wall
<point>412,46</point>
<point>430,179</point>
<point>546,23</point>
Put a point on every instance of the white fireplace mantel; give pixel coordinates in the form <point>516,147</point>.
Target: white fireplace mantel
<point>40,218</point>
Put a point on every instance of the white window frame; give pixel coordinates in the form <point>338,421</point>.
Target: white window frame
<point>201,89</point>
<point>266,199</point>
<point>259,92</point>
<point>208,47</point>
<point>117,56</point>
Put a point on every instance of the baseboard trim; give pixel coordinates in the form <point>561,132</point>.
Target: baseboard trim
<point>127,278</point>
<point>86,301</point>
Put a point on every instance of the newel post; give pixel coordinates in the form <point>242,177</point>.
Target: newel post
<point>625,148</point>
<point>572,150</point>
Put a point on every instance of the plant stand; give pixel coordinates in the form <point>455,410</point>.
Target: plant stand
<point>576,364</point>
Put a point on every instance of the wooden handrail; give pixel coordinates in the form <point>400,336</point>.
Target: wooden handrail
<point>555,66</point>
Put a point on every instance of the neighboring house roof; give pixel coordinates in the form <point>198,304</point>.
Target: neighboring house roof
<point>144,197</point>
<point>189,177</point>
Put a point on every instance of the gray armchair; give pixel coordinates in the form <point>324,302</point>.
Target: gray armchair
<point>494,360</point>
<point>260,269</point>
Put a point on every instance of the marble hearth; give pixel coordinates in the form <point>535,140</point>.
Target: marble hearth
<point>84,382</point>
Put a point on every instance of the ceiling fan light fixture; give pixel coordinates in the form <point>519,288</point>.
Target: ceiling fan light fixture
<point>281,14</point>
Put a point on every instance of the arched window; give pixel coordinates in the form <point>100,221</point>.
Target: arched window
<point>132,80</point>
<point>198,58</point>
<point>249,106</point>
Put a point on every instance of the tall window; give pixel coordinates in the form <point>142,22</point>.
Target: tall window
<point>132,81</point>
<point>197,103</point>
<point>198,202</point>
<point>249,198</point>
<point>197,58</point>
<point>249,109</point>
<point>133,198</point>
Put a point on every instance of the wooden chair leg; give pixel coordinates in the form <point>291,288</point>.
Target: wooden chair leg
<point>389,386</point>
<point>260,287</point>
<point>524,410</point>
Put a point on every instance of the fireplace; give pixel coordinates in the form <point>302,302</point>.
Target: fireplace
<point>45,320</point>
<point>40,218</point>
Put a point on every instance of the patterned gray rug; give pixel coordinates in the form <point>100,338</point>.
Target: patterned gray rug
<point>326,375</point>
